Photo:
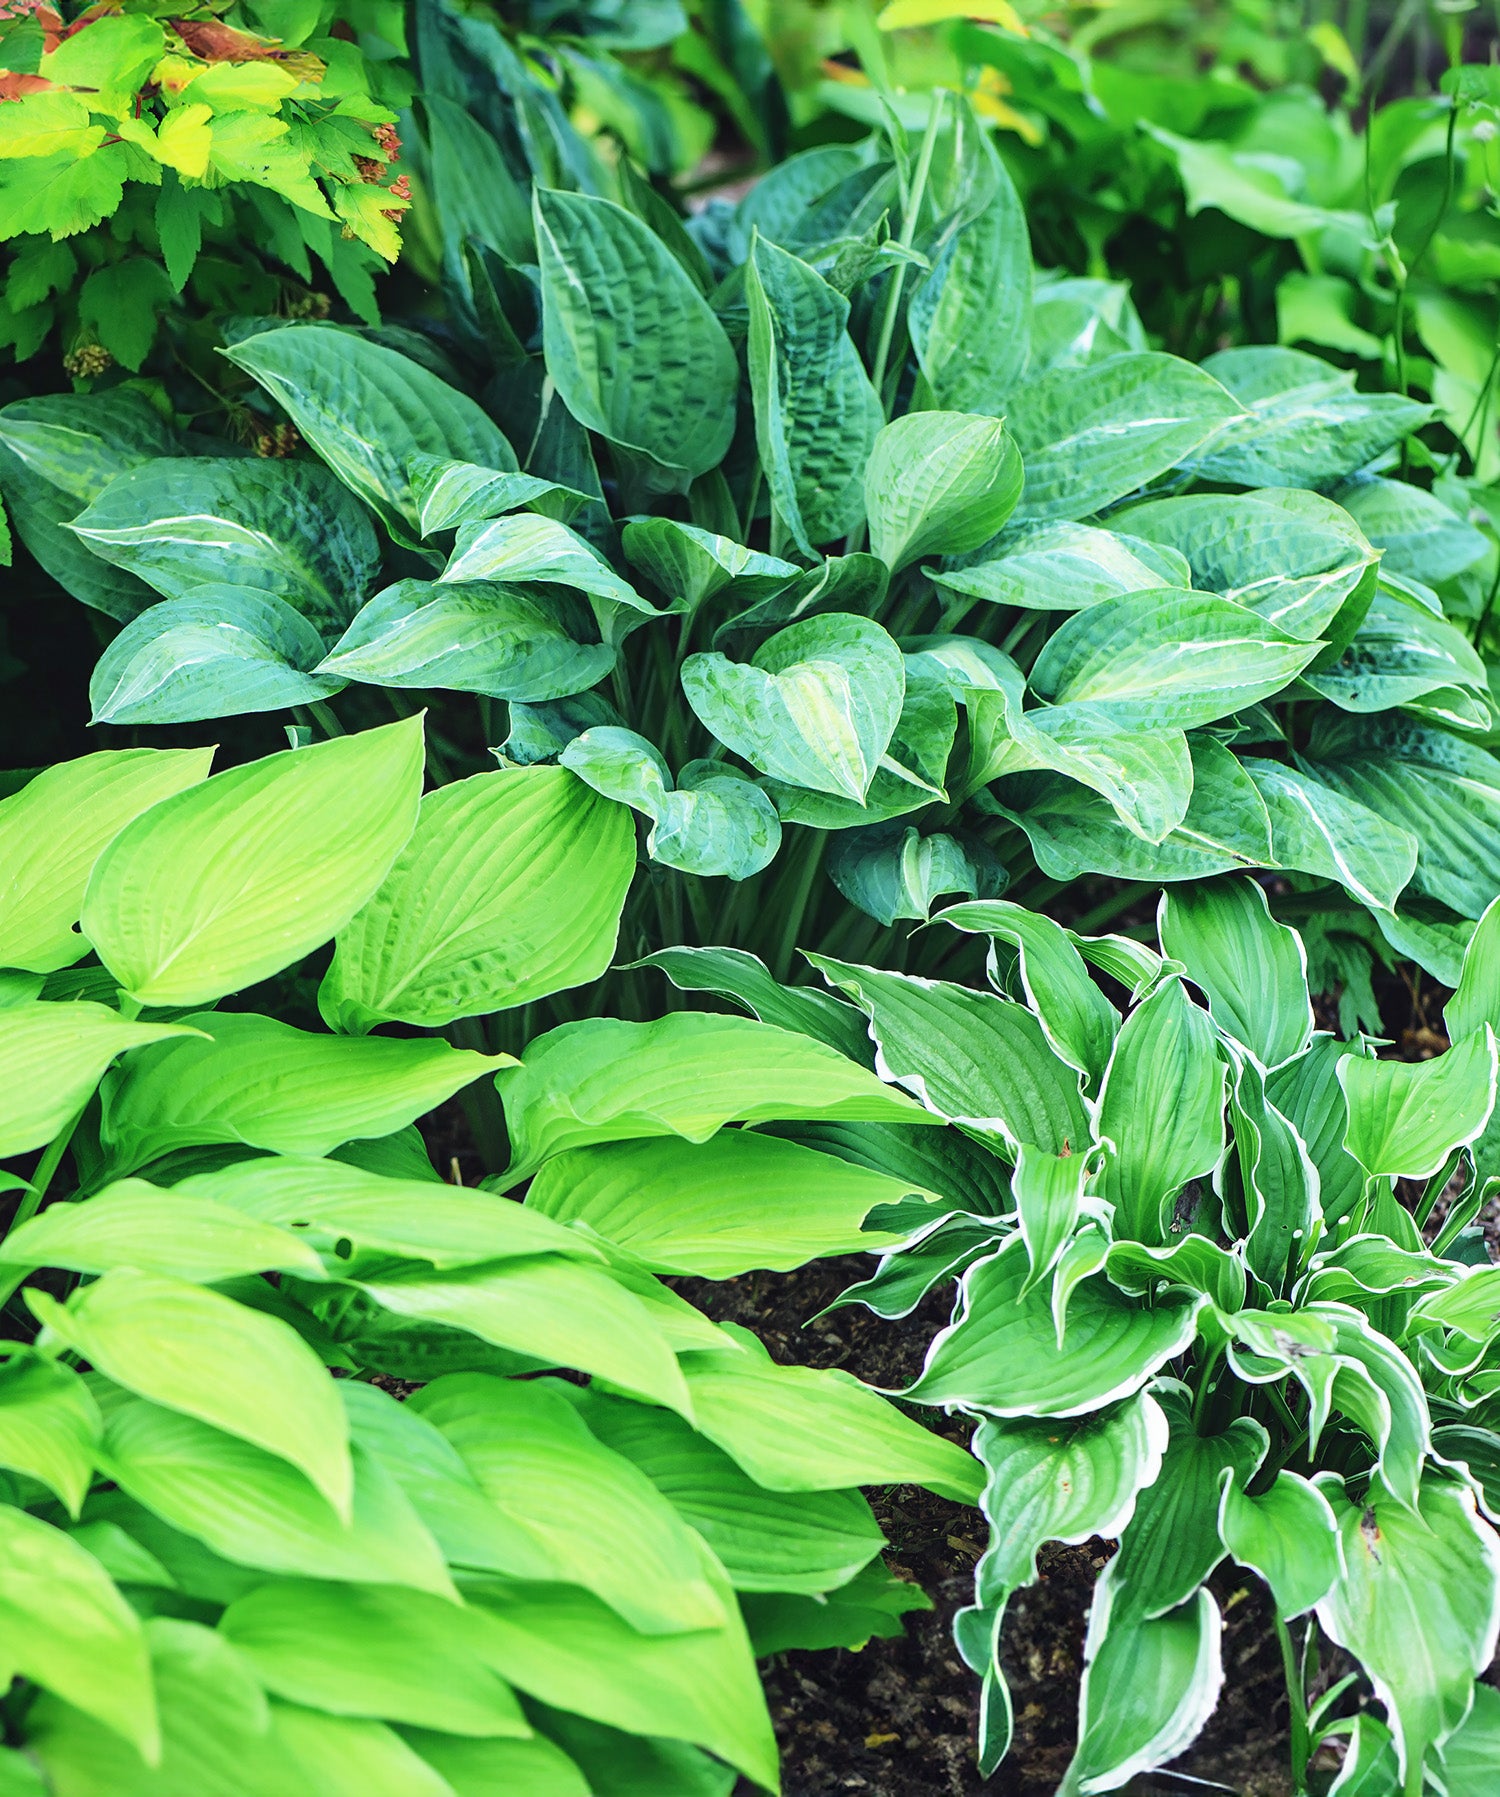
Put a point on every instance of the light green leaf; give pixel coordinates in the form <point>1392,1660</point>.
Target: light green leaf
<point>193,1350</point>
<point>1420,537</point>
<point>817,707</point>
<point>688,1074</point>
<point>51,1058</point>
<point>1470,1753</point>
<point>368,410</point>
<point>1252,970</point>
<point>509,889</point>
<point>451,493</point>
<point>1476,1000</point>
<point>939,483</point>
<point>52,831</point>
<point>342,1756</point>
<point>1318,829</point>
<point>630,342</point>
<point>691,566</point>
<point>1062,566</point>
<point>477,1768</point>
<point>1289,1535</point>
<point>1405,1118</point>
<point>234,879</point>
<point>1048,1190</point>
<point>816,414</point>
<point>1091,435</point>
<point>1243,186</point>
<point>220,651</point>
<point>49,1426</point>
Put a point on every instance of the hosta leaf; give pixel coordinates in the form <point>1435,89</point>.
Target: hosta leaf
<point>286,528</point>
<point>1289,1535</point>
<point>717,1208</point>
<point>687,1075</point>
<point>1271,1186</point>
<point>525,547</point>
<point>1252,970</point>
<point>1417,1607</point>
<point>372,1650</point>
<point>511,642</point>
<point>744,980</point>
<point>890,872</point>
<point>1405,1118</point>
<point>1419,536</point>
<point>1476,999</point>
<point>1318,829</point>
<point>254,1080</point>
<point>939,483</point>
<point>1162,1108</point>
<point>715,823</point>
<point>190,1349</point>
<point>69,1630</point>
<point>368,410</point>
<point>972,1058</point>
<point>817,707</point>
<point>472,1768</point>
<point>631,343</point>
<point>1295,558</point>
<point>234,879</point>
<point>1062,566</point>
<point>1000,1354</point>
<point>49,1426</point>
<point>1048,1190</point>
<point>52,1057</point>
<point>1091,435</point>
<point>450,493</point>
<point>691,566</point>
<point>576,1499</point>
<point>1469,1753</point>
<point>52,831</point>
<point>509,889</point>
<point>219,651</point>
<point>1167,657</point>
<point>778,205</point>
<point>342,1756</point>
<point>1402,654</point>
<point>816,414</point>
<point>255,1510</point>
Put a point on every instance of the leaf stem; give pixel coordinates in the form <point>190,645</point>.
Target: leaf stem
<point>46,1169</point>
<point>1297,1702</point>
<point>909,216</point>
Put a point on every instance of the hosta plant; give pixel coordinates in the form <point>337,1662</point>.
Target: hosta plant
<point>237,1564</point>
<point>865,563</point>
<point>1209,1305</point>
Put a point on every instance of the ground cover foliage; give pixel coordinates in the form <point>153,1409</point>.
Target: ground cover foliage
<point>766,575</point>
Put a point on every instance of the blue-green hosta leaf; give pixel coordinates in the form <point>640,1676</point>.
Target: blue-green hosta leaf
<point>816,414</point>
<point>236,878</point>
<point>1273,1201</point>
<point>476,194</point>
<point>219,651</point>
<point>1091,435</point>
<point>777,205</point>
<point>1307,425</point>
<point>890,872</point>
<point>718,1208</point>
<point>630,342</point>
<point>939,483</point>
<point>1252,969</point>
<point>970,318</point>
<point>1400,655</point>
<point>1406,1118</point>
<point>1167,657</point>
<point>71,1632</point>
<point>1443,792</point>
<point>367,411</point>
<point>449,494</point>
<point>687,1075</point>
<point>1295,558</point>
<point>1417,1606</point>
<point>690,565</point>
<point>971,1057</point>
<point>1319,828</point>
<point>1063,566</point>
<point>743,979</point>
<point>526,547</point>
<point>715,823</point>
<point>51,1058</point>
<point>1048,1190</point>
<point>49,1426</point>
<point>260,1082</point>
<point>191,1349</point>
<point>1000,1354</point>
<point>1289,1535</point>
<point>480,636</point>
<point>1419,537</point>
<point>509,888</point>
<point>286,528</point>
<point>52,831</point>
<point>1077,319</point>
<point>1079,1021</point>
<point>817,707</point>
<point>1162,1108</point>
<point>1476,998</point>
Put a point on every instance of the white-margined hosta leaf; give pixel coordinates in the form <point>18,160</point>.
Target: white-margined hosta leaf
<point>690,566</point>
<point>1317,828</point>
<point>525,547</point>
<point>939,483</point>
<point>218,651</point>
<point>1252,969</point>
<point>1402,655</point>
<point>1406,1118</point>
<point>1061,566</point>
<point>744,980</point>
<point>1288,1534</point>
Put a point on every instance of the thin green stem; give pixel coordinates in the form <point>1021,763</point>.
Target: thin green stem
<point>46,1168</point>
<point>909,217</point>
<point>326,717</point>
<point>1398,323</point>
<point>1297,1702</point>
<point>801,892</point>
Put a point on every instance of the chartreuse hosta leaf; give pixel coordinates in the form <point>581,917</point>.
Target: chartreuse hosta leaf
<point>49,1426</point>
<point>509,888</point>
<point>52,831</point>
<point>691,566</point>
<point>219,651</point>
<point>52,1057</point>
<point>686,1075</point>
<point>1061,566</point>
<point>630,342</point>
<point>1252,969</point>
<point>367,410</point>
<point>939,483</point>
<point>817,707</point>
<point>715,821</point>
<point>235,878</point>
<point>816,414</point>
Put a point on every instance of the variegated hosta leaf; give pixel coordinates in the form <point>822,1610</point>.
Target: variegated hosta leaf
<point>939,483</point>
<point>691,566</point>
<point>449,494</point>
<point>1061,566</point>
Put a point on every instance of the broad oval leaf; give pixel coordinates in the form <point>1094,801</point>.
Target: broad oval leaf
<point>691,566</point>
<point>1406,1118</point>
<point>1289,1535</point>
<point>1061,566</point>
<point>1252,969</point>
<point>49,1426</point>
<point>939,483</point>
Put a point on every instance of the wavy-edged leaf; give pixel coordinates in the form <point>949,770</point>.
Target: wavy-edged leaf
<point>450,493</point>
<point>1289,1535</point>
<point>690,565</point>
<point>1318,829</point>
<point>1405,1118</point>
<point>1252,969</point>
